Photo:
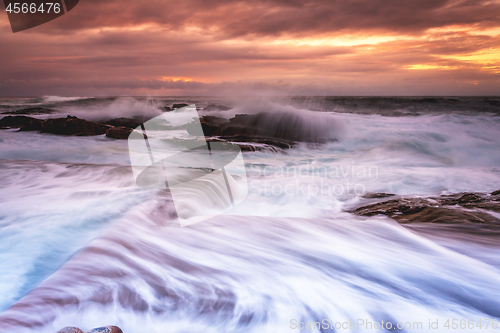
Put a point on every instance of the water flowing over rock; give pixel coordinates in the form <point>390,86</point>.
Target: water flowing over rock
<point>105,329</point>
<point>449,209</point>
<point>281,129</point>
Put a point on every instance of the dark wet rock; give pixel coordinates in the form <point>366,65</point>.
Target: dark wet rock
<point>461,199</point>
<point>214,107</point>
<point>447,209</point>
<point>284,130</point>
<point>472,201</point>
<point>106,329</point>
<point>70,330</point>
<point>249,146</point>
<point>125,122</point>
<point>179,105</point>
<point>283,144</point>
<point>118,132</point>
<point>166,108</point>
<point>495,193</point>
<point>377,195</point>
<point>212,126</point>
<point>280,130</point>
<point>241,128</point>
<point>16,121</point>
<point>72,126</point>
<point>33,125</point>
<point>31,111</point>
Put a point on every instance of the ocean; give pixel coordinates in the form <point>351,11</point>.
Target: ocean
<point>82,245</point>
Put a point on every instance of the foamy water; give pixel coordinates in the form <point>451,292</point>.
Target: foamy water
<point>81,245</point>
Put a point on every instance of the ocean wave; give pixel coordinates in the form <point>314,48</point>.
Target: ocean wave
<point>56,99</point>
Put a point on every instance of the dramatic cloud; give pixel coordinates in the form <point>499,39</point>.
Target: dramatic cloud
<point>125,47</point>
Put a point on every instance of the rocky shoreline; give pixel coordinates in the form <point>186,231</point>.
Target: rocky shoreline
<point>250,132</point>
<point>71,126</point>
<point>120,128</point>
<point>459,208</point>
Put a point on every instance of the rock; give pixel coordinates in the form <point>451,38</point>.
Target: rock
<point>377,195</point>
<point>118,132</point>
<point>214,107</point>
<point>72,126</point>
<point>212,126</point>
<point>471,201</point>
<point>106,329</point>
<point>392,207</point>
<point>283,144</point>
<point>70,330</point>
<point>249,128</point>
<point>179,105</point>
<point>214,121</point>
<point>31,111</point>
<point>450,209</point>
<point>166,108</point>
<point>283,132</point>
<point>16,121</point>
<point>238,129</point>
<point>125,122</point>
<point>250,147</point>
<point>495,193</point>
<point>33,125</point>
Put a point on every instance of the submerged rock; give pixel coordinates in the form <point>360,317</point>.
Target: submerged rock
<point>449,209</point>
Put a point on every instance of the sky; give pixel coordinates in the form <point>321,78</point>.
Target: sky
<point>258,47</point>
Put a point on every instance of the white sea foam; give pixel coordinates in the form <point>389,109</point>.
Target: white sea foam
<point>95,250</point>
<point>56,99</point>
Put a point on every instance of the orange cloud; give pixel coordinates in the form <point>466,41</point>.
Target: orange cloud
<point>211,47</point>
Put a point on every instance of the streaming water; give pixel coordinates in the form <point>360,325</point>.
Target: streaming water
<point>81,245</point>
